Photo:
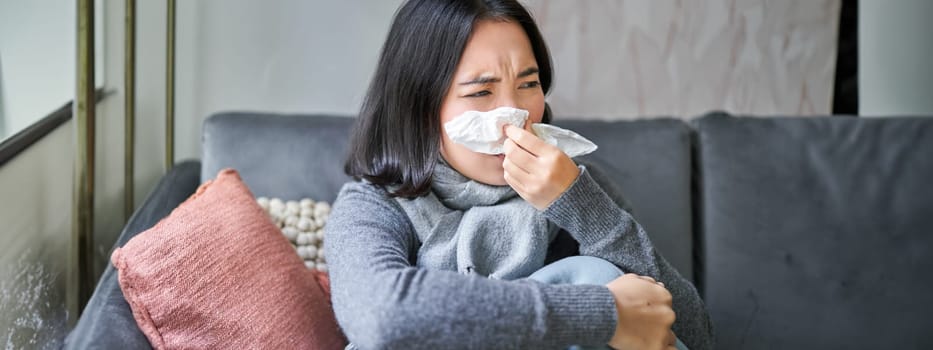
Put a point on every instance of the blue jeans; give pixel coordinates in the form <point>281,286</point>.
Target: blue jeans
<point>582,270</point>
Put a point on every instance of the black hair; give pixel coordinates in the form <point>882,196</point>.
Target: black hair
<point>396,139</point>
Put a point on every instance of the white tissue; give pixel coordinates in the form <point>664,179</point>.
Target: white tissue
<point>568,141</point>
<point>482,132</point>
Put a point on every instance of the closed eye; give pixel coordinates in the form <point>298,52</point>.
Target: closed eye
<point>530,84</point>
<point>479,94</point>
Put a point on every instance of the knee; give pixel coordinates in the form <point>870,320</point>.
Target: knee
<point>578,270</point>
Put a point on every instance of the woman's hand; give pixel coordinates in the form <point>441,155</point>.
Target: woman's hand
<point>539,172</point>
<point>645,313</point>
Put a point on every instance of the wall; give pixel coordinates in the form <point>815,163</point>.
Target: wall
<point>3,131</point>
<point>35,79</point>
<point>37,69</point>
<point>631,59</point>
<point>291,56</point>
<point>895,55</point>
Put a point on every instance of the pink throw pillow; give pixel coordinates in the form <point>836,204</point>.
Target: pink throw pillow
<point>217,273</point>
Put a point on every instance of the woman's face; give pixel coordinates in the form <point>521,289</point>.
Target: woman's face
<point>497,69</point>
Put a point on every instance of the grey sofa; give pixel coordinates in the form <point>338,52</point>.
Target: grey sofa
<point>801,233</point>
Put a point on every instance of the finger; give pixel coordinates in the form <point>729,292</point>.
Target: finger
<point>515,184</point>
<point>519,156</point>
<point>516,173</point>
<point>648,278</point>
<point>525,139</point>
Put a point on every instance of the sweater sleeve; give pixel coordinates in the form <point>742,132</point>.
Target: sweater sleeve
<point>383,302</point>
<point>607,231</point>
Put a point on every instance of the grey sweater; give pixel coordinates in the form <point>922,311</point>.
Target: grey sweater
<point>383,301</point>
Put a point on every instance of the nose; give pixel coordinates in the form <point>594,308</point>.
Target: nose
<point>508,99</point>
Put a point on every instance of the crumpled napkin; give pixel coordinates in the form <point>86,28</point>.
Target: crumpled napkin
<point>482,132</point>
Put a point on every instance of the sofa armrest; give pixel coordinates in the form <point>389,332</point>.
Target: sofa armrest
<point>107,321</point>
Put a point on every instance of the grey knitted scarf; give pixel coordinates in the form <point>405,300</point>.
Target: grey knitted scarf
<point>474,228</point>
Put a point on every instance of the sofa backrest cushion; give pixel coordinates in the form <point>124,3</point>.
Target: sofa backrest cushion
<point>297,156</point>
<point>816,232</point>
<point>282,156</point>
<point>650,161</point>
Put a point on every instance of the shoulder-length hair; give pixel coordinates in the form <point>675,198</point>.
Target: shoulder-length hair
<point>396,138</point>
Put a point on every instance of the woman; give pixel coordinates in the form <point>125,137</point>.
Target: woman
<point>401,277</point>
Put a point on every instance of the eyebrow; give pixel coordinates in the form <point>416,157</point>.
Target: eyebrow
<point>487,79</point>
<point>527,72</point>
